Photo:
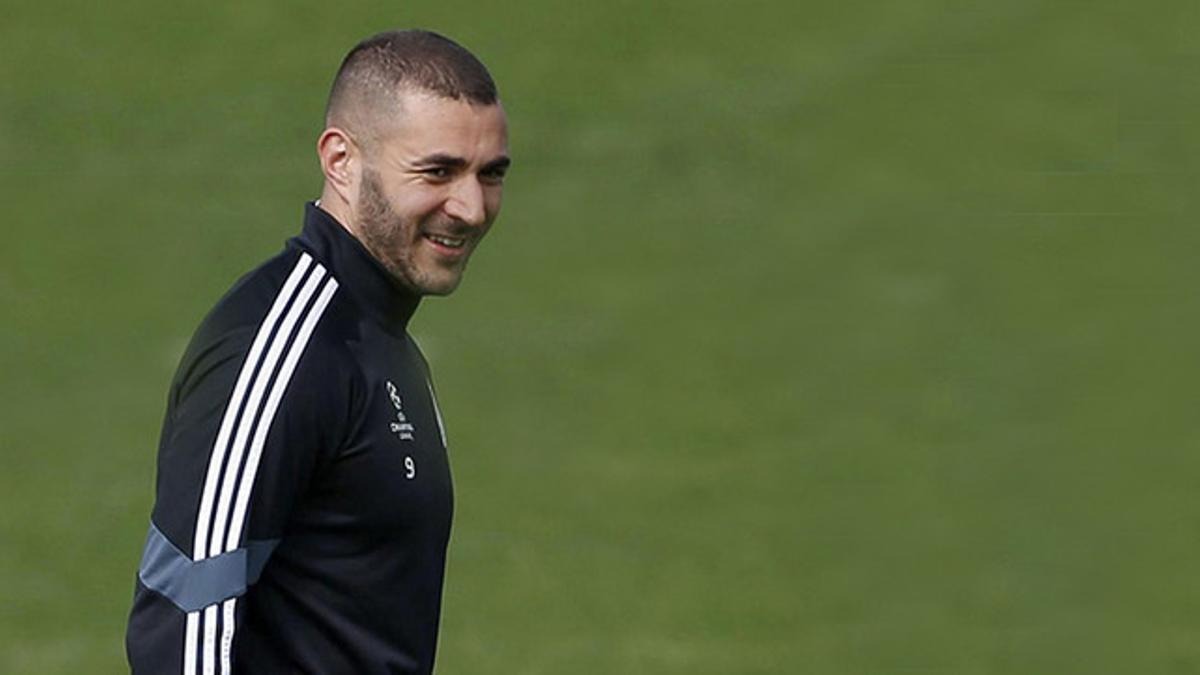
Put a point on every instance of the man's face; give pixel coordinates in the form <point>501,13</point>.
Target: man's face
<point>431,188</point>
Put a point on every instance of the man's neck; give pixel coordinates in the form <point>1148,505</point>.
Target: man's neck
<point>333,204</point>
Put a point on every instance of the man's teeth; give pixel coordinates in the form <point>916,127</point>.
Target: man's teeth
<point>449,242</point>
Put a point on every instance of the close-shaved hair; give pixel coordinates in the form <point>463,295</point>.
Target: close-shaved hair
<point>380,68</point>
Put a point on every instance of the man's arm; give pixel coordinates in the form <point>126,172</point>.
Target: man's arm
<point>239,446</point>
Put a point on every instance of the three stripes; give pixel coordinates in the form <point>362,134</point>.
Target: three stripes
<point>234,461</point>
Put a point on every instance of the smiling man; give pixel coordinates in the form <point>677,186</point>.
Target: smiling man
<point>304,496</point>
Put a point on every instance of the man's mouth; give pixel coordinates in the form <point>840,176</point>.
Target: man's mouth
<point>447,241</point>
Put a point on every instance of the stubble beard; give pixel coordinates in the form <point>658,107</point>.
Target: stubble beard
<point>390,240</point>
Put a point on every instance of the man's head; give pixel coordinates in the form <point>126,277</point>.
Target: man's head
<point>414,154</point>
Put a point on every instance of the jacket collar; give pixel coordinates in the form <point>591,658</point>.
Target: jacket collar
<point>357,271</point>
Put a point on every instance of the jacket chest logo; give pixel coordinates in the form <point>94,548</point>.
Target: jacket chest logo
<point>401,427</point>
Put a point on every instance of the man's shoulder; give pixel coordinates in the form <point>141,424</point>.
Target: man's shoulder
<point>290,290</point>
<point>253,294</point>
<point>279,306</point>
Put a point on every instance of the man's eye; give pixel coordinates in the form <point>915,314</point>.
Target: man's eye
<point>438,172</point>
<point>493,176</point>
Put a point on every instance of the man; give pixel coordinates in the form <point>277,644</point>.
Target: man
<point>303,495</point>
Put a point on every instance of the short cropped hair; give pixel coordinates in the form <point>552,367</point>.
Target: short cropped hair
<point>383,65</point>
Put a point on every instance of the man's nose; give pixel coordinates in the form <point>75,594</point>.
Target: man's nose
<point>466,202</point>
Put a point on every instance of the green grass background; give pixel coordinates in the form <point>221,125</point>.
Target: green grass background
<point>819,338</point>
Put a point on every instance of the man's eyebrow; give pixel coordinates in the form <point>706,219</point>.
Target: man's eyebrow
<point>498,164</point>
<point>442,159</point>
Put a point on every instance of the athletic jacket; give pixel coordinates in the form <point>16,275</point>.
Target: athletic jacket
<point>303,495</point>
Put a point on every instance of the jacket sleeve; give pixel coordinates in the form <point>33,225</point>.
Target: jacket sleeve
<point>244,432</point>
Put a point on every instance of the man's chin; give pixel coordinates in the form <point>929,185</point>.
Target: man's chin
<point>439,290</point>
<point>435,285</point>
<point>440,282</point>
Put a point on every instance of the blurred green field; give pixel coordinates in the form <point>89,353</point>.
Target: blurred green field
<point>821,338</point>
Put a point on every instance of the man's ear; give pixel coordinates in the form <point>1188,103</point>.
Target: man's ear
<point>341,162</point>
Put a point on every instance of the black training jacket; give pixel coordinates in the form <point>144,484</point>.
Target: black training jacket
<point>303,495</point>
